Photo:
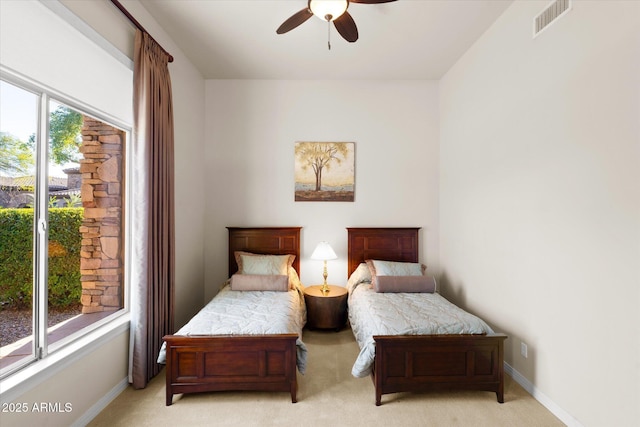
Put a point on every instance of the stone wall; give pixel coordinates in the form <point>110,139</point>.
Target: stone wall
<point>101,262</point>
<point>74,178</point>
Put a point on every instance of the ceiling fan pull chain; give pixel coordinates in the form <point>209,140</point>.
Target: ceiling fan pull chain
<point>329,34</point>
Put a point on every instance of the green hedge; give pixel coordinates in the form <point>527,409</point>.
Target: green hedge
<point>16,257</point>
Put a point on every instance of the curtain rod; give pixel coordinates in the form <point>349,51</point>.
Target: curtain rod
<point>133,20</point>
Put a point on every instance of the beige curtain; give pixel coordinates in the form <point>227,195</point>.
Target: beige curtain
<point>152,260</point>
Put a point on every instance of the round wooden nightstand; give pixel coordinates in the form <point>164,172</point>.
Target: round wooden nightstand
<point>326,311</point>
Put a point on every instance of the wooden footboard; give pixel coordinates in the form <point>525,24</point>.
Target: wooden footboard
<point>439,362</point>
<point>241,362</point>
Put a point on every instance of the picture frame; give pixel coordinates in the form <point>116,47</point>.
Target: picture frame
<point>324,171</point>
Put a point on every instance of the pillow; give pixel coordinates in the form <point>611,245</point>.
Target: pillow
<point>360,275</point>
<point>393,268</point>
<point>249,263</point>
<point>260,282</point>
<point>294,279</point>
<point>266,264</point>
<point>425,284</point>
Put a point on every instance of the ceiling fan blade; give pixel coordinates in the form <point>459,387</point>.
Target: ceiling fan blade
<point>346,26</point>
<point>295,20</point>
<point>371,1</point>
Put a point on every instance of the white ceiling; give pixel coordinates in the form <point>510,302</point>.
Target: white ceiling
<point>407,39</point>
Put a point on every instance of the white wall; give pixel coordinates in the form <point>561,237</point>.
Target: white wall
<point>76,383</point>
<point>42,54</point>
<point>251,130</point>
<point>540,200</point>
<point>78,391</point>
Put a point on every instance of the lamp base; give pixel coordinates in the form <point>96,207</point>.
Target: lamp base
<point>325,288</point>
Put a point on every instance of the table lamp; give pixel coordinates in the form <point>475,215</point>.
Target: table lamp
<point>324,252</point>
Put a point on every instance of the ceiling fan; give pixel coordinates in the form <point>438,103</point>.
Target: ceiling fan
<point>331,11</point>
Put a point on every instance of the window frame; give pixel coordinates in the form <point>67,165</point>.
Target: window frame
<point>79,343</point>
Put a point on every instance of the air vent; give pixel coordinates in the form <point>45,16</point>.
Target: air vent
<point>550,14</point>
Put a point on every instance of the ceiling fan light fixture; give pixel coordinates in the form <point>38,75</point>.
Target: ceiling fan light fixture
<point>328,10</point>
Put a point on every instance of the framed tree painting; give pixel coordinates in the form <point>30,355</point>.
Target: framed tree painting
<point>324,171</point>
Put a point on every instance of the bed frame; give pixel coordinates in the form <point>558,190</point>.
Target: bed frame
<point>239,362</point>
<point>425,362</point>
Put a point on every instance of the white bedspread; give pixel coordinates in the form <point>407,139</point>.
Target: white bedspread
<point>250,313</point>
<point>372,313</point>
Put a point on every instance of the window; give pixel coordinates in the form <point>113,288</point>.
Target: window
<point>62,198</point>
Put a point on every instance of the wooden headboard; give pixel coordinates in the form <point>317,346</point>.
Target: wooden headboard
<point>264,240</point>
<point>388,244</point>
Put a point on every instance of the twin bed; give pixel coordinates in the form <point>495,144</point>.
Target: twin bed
<point>470,357</point>
<point>242,340</point>
<point>398,358</point>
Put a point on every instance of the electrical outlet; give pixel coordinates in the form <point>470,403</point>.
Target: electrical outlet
<point>523,349</point>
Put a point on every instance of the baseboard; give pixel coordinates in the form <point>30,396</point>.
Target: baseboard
<point>97,407</point>
<point>556,410</point>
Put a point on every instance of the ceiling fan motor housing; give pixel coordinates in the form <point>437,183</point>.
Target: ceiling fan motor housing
<point>329,11</point>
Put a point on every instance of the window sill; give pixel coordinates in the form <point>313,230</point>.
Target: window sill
<point>24,380</point>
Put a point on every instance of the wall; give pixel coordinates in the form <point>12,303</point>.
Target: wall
<point>40,54</point>
<point>251,130</point>
<point>540,201</point>
<point>66,382</point>
<point>75,393</point>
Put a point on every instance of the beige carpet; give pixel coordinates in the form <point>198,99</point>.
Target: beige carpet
<point>328,395</point>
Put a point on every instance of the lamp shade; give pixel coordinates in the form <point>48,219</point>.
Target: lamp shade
<point>323,252</point>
